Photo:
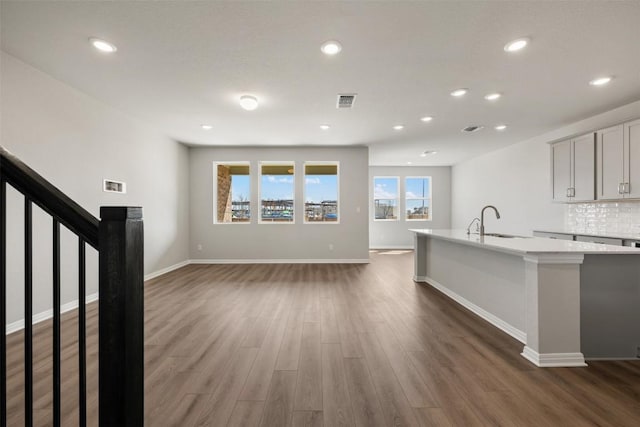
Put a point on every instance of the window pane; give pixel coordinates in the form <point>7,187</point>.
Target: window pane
<point>276,193</point>
<point>418,198</point>
<point>233,193</point>
<point>418,188</point>
<point>321,193</point>
<point>386,209</point>
<point>418,209</point>
<point>385,198</point>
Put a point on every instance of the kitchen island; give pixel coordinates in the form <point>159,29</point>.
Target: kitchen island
<point>563,299</point>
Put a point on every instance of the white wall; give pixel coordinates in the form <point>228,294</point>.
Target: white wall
<point>516,179</point>
<point>261,242</point>
<point>75,141</point>
<point>395,234</point>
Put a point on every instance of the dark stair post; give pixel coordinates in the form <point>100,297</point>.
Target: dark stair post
<point>121,315</point>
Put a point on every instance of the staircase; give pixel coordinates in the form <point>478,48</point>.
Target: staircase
<point>118,239</point>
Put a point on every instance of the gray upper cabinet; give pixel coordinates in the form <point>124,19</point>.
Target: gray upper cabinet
<point>573,169</point>
<point>618,162</point>
<point>632,162</point>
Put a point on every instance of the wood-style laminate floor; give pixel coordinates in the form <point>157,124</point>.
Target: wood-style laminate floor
<point>332,345</point>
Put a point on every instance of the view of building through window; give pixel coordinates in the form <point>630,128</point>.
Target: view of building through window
<point>233,193</point>
<point>321,192</point>
<point>385,198</point>
<point>418,198</point>
<point>276,192</point>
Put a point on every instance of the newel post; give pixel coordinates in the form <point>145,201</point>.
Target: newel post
<point>121,324</point>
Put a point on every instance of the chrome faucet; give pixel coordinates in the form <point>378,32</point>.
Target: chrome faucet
<point>471,223</point>
<point>482,217</point>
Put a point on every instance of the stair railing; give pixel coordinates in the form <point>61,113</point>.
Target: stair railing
<point>118,238</point>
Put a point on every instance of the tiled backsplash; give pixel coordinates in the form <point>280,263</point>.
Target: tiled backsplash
<point>602,218</point>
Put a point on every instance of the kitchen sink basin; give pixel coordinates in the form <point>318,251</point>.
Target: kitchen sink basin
<point>505,236</point>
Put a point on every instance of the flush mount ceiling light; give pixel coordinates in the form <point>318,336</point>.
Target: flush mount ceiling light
<point>459,92</point>
<point>426,119</point>
<point>500,127</point>
<point>600,81</point>
<point>249,102</point>
<point>398,127</point>
<point>325,127</point>
<point>428,153</point>
<point>492,96</point>
<point>102,45</point>
<point>516,45</point>
<point>331,47</point>
<point>206,127</point>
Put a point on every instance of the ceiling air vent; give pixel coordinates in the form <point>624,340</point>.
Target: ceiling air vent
<point>346,100</point>
<point>472,128</point>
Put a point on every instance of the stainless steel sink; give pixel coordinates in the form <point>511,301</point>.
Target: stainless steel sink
<point>506,236</point>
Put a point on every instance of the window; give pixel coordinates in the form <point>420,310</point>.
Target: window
<point>418,198</point>
<point>233,182</point>
<point>385,198</point>
<point>321,192</point>
<point>276,192</point>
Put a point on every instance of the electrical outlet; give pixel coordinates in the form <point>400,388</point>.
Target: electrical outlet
<point>638,352</point>
<point>330,246</point>
<point>199,246</point>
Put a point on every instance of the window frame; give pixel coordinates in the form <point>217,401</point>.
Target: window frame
<point>304,189</point>
<point>215,191</point>
<point>430,198</point>
<point>277,163</point>
<point>398,197</point>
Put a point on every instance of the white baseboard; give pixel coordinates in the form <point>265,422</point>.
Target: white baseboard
<point>72,305</point>
<point>553,360</point>
<point>166,270</point>
<point>48,314</point>
<point>494,320</point>
<point>605,359</point>
<point>387,248</point>
<point>280,261</point>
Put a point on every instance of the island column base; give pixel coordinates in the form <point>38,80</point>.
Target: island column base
<point>553,310</point>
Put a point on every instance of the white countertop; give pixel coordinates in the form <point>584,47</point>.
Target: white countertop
<point>614,235</point>
<point>526,245</point>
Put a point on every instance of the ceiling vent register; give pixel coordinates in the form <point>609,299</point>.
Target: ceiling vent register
<point>472,128</point>
<point>346,100</point>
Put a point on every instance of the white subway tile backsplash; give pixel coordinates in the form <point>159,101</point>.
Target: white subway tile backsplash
<point>602,218</point>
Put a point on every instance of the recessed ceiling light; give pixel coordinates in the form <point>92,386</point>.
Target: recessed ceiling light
<point>398,127</point>
<point>426,119</point>
<point>517,44</point>
<point>248,102</point>
<point>500,127</point>
<point>102,45</point>
<point>492,96</point>
<point>409,163</point>
<point>459,92</point>
<point>206,127</point>
<point>428,153</point>
<point>331,47</point>
<point>600,81</point>
<point>324,127</point>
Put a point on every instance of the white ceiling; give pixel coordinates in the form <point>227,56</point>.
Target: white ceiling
<point>181,64</point>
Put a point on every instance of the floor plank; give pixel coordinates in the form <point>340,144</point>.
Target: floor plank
<point>324,344</point>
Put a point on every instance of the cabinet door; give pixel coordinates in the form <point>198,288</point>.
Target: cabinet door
<point>584,168</point>
<point>561,170</point>
<point>610,158</point>
<point>632,160</point>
